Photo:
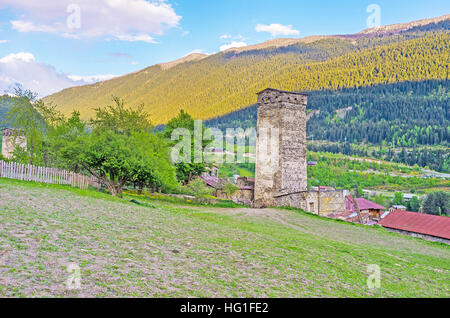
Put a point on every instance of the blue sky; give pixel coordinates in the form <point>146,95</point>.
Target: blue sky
<point>115,37</point>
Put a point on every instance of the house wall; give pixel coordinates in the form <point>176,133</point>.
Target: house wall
<point>424,236</point>
<point>330,201</point>
<point>241,196</point>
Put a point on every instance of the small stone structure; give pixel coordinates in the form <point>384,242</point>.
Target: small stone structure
<point>311,201</point>
<point>243,195</point>
<point>281,165</point>
<point>12,138</point>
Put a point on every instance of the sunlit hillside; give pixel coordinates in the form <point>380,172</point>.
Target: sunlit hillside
<point>218,84</point>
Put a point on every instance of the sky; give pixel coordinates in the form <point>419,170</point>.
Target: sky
<point>49,45</point>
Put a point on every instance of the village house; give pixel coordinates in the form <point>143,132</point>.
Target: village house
<point>397,208</point>
<point>370,212</point>
<point>366,207</point>
<point>408,196</point>
<point>429,227</point>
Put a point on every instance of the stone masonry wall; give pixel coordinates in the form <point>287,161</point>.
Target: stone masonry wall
<point>330,201</point>
<point>281,167</point>
<point>10,141</point>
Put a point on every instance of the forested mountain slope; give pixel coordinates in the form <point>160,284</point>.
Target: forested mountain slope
<point>411,115</point>
<point>408,113</point>
<point>211,86</point>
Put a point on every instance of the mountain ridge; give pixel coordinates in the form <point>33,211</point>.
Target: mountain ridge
<point>212,85</point>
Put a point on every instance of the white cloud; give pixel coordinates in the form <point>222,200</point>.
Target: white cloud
<point>235,37</point>
<point>276,29</point>
<point>3,41</point>
<point>126,20</point>
<point>136,38</point>
<point>28,26</point>
<point>22,69</point>
<point>92,78</point>
<point>15,57</point>
<point>233,44</point>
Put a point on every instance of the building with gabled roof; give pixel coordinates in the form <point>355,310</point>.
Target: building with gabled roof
<point>372,209</point>
<point>430,227</point>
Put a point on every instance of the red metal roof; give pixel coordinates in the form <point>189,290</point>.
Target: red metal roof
<point>438,226</point>
<point>363,204</point>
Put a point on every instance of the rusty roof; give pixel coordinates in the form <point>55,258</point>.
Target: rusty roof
<point>438,226</point>
<point>363,204</point>
<point>212,181</point>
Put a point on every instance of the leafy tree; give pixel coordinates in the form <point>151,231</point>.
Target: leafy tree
<point>153,169</point>
<point>379,199</point>
<point>34,119</point>
<point>230,189</point>
<point>24,117</point>
<point>121,149</point>
<point>109,157</point>
<point>186,171</point>
<point>199,189</point>
<point>398,199</point>
<point>358,193</point>
<point>413,205</point>
<point>120,119</point>
<point>437,203</point>
<point>61,149</point>
<point>183,120</point>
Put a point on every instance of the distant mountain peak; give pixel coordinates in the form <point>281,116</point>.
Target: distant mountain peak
<point>399,27</point>
<point>212,85</point>
<point>188,58</point>
<point>393,28</point>
<point>275,43</point>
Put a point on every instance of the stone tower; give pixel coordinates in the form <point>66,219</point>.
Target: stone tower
<point>12,138</point>
<point>281,166</point>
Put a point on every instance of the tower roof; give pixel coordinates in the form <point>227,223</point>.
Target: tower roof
<point>280,91</point>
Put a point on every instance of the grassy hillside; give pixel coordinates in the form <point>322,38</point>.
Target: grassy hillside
<point>174,251</point>
<point>220,83</point>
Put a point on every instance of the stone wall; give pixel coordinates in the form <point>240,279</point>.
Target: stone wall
<point>330,201</point>
<point>241,196</point>
<point>11,140</point>
<point>281,147</point>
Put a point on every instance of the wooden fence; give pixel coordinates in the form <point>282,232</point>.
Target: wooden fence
<point>13,170</point>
